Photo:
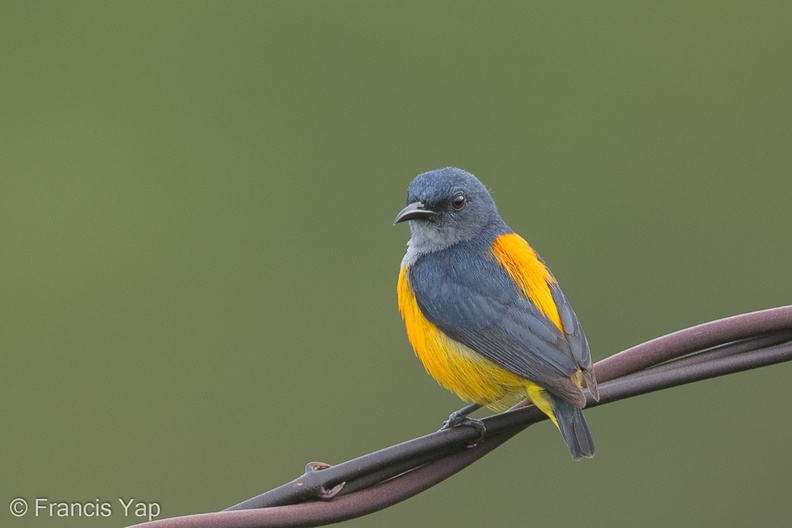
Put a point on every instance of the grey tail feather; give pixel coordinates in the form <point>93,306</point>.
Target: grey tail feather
<point>591,383</point>
<point>574,429</point>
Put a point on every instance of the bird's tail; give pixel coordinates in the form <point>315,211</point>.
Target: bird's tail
<point>573,427</point>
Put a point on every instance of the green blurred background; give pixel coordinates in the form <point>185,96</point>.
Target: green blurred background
<point>197,283</point>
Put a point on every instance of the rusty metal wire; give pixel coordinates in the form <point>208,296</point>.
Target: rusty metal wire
<point>328,494</point>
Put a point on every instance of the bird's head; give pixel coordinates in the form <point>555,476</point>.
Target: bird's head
<point>445,207</point>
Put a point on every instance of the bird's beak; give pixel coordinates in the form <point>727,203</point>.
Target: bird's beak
<point>414,211</point>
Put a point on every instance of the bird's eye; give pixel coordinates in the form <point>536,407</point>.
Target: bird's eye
<point>458,201</point>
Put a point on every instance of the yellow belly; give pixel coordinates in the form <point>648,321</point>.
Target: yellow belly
<point>460,369</point>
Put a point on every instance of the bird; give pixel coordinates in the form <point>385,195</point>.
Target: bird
<point>483,312</point>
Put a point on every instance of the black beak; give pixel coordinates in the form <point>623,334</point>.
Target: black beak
<point>414,211</point>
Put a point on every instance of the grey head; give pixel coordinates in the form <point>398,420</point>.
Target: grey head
<point>444,207</point>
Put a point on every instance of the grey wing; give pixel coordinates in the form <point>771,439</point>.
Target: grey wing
<point>478,305</point>
<point>578,344</point>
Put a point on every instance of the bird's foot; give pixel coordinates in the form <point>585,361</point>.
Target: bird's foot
<point>459,419</point>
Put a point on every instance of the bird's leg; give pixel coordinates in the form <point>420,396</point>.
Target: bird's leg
<point>460,417</point>
<point>525,402</point>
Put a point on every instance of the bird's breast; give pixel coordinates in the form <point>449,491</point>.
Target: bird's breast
<point>455,366</point>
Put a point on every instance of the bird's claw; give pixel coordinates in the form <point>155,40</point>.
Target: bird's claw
<point>457,419</point>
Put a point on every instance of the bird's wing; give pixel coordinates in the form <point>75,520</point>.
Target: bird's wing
<point>578,344</point>
<point>473,300</point>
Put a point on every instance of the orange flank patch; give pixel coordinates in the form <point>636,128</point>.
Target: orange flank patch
<point>531,275</point>
<point>458,368</point>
